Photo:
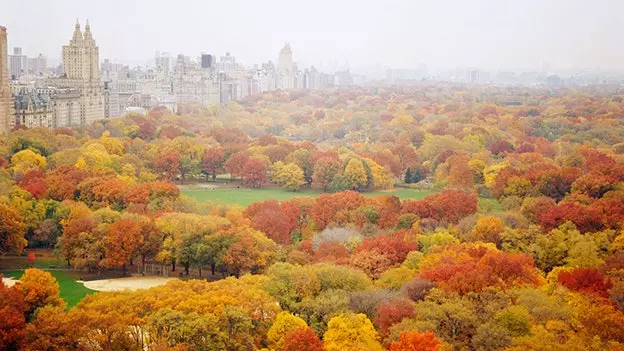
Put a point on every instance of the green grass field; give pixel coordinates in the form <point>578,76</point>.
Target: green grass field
<point>71,291</point>
<point>245,197</point>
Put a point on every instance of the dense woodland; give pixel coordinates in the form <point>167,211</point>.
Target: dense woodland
<point>342,271</point>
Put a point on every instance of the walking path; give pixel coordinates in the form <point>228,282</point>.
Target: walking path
<point>128,283</point>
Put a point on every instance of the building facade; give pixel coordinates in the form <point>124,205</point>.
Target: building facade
<point>81,74</point>
<point>6,110</point>
<point>33,109</point>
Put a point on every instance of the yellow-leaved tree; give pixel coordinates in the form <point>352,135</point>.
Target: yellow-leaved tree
<point>39,289</point>
<point>26,161</point>
<point>355,174</point>
<point>351,332</point>
<point>289,176</point>
<point>285,323</point>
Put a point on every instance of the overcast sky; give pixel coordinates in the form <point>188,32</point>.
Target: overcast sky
<point>491,34</point>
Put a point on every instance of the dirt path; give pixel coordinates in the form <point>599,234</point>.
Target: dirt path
<point>9,282</point>
<point>129,283</point>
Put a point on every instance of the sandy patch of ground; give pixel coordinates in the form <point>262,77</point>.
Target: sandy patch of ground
<point>9,282</point>
<point>129,283</point>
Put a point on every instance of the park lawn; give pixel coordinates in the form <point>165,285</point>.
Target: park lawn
<point>70,290</point>
<point>245,197</point>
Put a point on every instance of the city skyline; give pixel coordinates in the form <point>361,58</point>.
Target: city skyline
<point>485,34</point>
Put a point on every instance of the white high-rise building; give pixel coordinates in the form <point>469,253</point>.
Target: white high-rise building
<point>17,63</point>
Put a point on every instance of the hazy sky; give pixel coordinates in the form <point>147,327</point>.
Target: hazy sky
<point>491,34</point>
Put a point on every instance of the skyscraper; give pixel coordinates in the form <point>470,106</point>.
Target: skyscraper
<point>81,70</point>
<point>5,93</point>
<point>285,61</point>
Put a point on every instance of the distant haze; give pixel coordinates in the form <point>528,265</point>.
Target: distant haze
<point>402,34</point>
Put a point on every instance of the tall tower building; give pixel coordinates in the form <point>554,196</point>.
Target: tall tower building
<point>6,101</point>
<point>81,69</point>
<point>285,61</point>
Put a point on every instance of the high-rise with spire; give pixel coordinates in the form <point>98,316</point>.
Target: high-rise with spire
<point>81,74</point>
<point>285,61</point>
<point>6,110</point>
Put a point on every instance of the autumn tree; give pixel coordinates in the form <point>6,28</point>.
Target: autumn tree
<point>355,174</point>
<point>53,329</point>
<point>168,164</point>
<point>284,323</point>
<point>39,288</point>
<point>302,339</point>
<point>235,163</point>
<point>488,229</point>
<point>213,162</point>
<point>123,239</point>
<point>586,280</point>
<point>325,169</point>
<point>288,176</point>
<point>12,319</point>
<point>250,252</point>
<point>351,332</point>
<point>460,175</point>
<point>12,231</point>
<point>27,160</point>
<point>254,173</point>
<point>410,341</point>
<point>392,312</point>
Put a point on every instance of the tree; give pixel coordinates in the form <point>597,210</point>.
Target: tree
<point>53,329</point>
<point>586,280</point>
<point>408,176</point>
<point>254,173</point>
<point>351,332</point>
<point>12,231</point>
<point>488,229</point>
<point>213,162</point>
<point>302,339</point>
<point>168,164</point>
<point>460,174</point>
<point>12,319</point>
<point>411,341</point>
<point>25,161</point>
<point>123,239</point>
<point>284,323</point>
<point>392,312</point>
<point>189,166</point>
<point>355,174</point>
<point>372,262</point>
<point>275,223</point>
<point>500,146</point>
<point>250,252</point>
<point>39,288</point>
<point>31,257</point>
<point>288,176</point>
<point>325,169</point>
<point>235,163</point>
<point>467,268</point>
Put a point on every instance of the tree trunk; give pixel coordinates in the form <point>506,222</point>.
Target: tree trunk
<point>212,267</point>
<point>214,177</point>
<point>186,268</point>
<point>124,269</point>
<point>173,266</point>
<point>200,272</point>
